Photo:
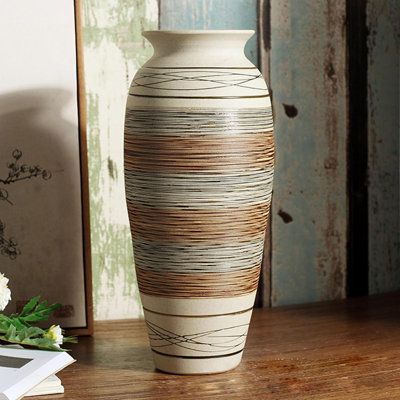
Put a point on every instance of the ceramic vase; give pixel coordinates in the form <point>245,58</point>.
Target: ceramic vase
<point>199,152</point>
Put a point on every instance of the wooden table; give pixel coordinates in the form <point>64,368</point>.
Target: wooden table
<point>338,350</point>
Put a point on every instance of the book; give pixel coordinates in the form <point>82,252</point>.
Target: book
<point>51,385</point>
<point>21,370</point>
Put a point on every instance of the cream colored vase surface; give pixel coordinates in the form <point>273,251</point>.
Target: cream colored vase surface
<point>199,152</point>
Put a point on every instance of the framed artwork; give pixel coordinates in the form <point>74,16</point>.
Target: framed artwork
<point>44,206</point>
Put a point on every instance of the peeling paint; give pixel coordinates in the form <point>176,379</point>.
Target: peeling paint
<point>113,51</point>
<point>383,23</point>
<point>290,110</point>
<point>112,169</point>
<point>286,218</point>
<point>308,73</point>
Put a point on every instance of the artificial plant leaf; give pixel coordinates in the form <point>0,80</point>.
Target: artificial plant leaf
<point>40,343</point>
<point>17,323</point>
<point>11,333</point>
<point>5,323</point>
<point>31,332</point>
<point>70,339</point>
<point>41,313</point>
<point>30,306</point>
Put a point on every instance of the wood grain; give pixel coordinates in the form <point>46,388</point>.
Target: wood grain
<point>383,25</point>
<point>88,329</point>
<point>263,298</point>
<point>337,350</point>
<point>113,51</point>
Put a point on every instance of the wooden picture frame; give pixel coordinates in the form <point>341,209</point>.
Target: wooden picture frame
<point>56,258</point>
<point>88,330</point>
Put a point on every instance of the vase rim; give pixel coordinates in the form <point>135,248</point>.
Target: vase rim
<point>201,31</point>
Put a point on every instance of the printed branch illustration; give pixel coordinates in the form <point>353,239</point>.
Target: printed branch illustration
<point>8,247</point>
<point>16,172</point>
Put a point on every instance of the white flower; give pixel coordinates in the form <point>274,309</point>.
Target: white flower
<point>5,292</point>
<point>55,334</point>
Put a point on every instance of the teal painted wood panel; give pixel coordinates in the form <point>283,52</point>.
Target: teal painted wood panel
<point>383,22</point>
<point>212,14</point>
<point>309,212</point>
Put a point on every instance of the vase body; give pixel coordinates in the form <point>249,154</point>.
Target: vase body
<point>199,155</point>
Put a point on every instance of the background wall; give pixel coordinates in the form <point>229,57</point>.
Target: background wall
<point>309,209</point>
<point>113,51</point>
<point>383,58</point>
<point>212,14</point>
<point>302,48</point>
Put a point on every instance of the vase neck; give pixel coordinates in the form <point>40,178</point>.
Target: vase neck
<point>198,48</point>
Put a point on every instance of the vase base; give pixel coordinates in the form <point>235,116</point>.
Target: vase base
<point>201,366</point>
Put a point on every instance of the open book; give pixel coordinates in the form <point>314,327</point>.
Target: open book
<point>51,385</point>
<point>22,370</point>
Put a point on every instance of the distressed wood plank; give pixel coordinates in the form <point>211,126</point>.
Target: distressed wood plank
<point>113,51</point>
<point>308,81</point>
<point>264,44</point>
<point>212,14</point>
<point>357,257</point>
<point>383,23</point>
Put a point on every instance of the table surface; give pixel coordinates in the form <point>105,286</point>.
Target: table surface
<point>338,350</point>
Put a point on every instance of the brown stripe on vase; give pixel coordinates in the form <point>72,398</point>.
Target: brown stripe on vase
<point>253,219</point>
<point>216,153</point>
<point>200,285</point>
<point>208,228</point>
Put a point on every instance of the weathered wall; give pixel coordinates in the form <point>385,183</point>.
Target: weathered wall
<point>306,67</point>
<point>212,14</point>
<point>308,81</point>
<point>383,23</point>
<point>113,51</point>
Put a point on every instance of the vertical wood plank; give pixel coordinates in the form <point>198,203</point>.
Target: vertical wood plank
<point>264,39</point>
<point>308,81</point>
<point>113,51</point>
<point>357,250</point>
<point>264,44</point>
<point>383,23</point>
<point>212,14</point>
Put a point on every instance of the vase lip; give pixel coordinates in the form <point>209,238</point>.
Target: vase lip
<point>201,31</point>
<point>217,47</point>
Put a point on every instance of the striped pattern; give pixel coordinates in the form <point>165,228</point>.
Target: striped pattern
<point>201,284</point>
<point>198,186</point>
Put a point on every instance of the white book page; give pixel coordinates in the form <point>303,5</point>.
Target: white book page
<point>21,370</point>
<point>51,385</point>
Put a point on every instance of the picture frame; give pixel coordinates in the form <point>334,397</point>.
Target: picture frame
<point>44,190</point>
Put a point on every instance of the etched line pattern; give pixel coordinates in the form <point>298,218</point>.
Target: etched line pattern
<point>196,80</point>
<point>198,185</point>
<point>248,310</point>
<point>223,340</point>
